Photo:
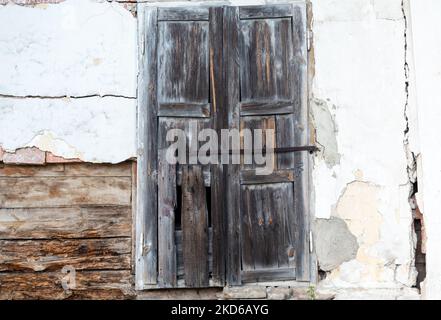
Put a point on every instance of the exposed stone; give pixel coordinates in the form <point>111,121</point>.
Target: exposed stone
<point>245,292</point>
<point>25,156</point>
<point>278,293</point>
<point>334,243</point>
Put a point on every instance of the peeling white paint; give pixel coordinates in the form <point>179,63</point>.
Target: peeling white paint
<point>91,129</point>
<point>359,68</point>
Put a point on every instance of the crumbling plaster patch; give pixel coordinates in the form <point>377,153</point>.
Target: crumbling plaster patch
<point>359,59</point>
<point>334,243</point>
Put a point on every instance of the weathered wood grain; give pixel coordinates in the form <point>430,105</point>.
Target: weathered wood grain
<point>220,121</point>
<point>67,170</point>
<point>260,108</point>
<point>266,52</point>
<point>182,14</point>
<point>183,62</point>
<point>301,137</point>
<point>53,255</point>
<point>267,11</point>
<point>147,201</point>
<point>279,176</point>
<point>69,222</point>
<point>180,255</point>
<point>189,110</point>
<point>268,275</point>
<point>37,192</point>
<point>194,228</point>
<point>285,138</point>
<point>48,285</point>
<point>266,235</point>
<point>231,67</point>
<point>167,266</point>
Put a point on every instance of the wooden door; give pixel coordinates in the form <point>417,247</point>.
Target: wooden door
<point>267,214</point>
<point>221,68</point>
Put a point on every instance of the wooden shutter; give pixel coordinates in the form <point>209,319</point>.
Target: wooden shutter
<point>221,67</point>
<point>182,219</point>
<point>265,61</point>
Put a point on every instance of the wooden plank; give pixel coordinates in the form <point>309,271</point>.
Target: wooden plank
<point>183,62</point>
<point>266,11</point>
<point>147,201</point>
<point>206,173</point>
<point>267,235</point>
<point>68,170</point>
<point>231,67</point>
<point>62,223</point>
<point>268,275</point>
<point>167,266</point>
<point>285,139</point>
<point>98,170</point>
<point>301,137</point>
<point>194,228</point>
<point>180,255</point>
<point>263,123</point>
<point>133,214</point>
<point>53,255</point>
<point>40,192</point>
<point>219,116</point>
<point>193,13</point>
<point>189,110</point>
<point>279,176</point>
<point>49,285</point>
<point>260,108</point>
<point>266,57</point>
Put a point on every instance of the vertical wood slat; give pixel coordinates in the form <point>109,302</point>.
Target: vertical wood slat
<point>301,137</point>
<point>194,227</point>
<point>219,116</point>
<point>167,267</point>
<point>146,216</point>
<point>231,67</point>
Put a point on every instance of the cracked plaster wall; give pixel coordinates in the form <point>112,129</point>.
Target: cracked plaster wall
<point>359,87</point>
<point>426,97</point>
<point>87,50</point>
<point>80,49</point>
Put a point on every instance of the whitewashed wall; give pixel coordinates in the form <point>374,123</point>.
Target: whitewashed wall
<point>79,49</point>
<point>426,25</point>
<point>68,85</point>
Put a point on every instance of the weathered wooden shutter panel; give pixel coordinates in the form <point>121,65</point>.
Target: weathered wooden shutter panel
<point>221,67</point>
<point>265,59</point>
<point>187,52</point>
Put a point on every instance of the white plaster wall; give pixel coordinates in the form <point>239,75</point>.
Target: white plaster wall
<point>78,48</point>
<point>359,74</point>
<point>426,26</point>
